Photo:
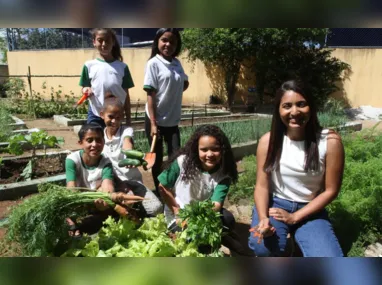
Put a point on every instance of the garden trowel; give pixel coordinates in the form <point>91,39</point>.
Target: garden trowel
<point>150,156</point>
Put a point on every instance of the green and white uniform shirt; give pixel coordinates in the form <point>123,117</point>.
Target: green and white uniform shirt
<point>104,76</point>
<point>112,150</point>
<point>167,79</point>
<point>86,176</point>
<point>211,185</point>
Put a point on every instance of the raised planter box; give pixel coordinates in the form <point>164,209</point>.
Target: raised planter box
<point>11,191</point>
<point>229,118</point>
<point>64,120</point>
<point>18,124</point>
<point>25,145</point>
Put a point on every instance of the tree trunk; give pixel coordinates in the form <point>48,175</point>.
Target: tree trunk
<point>231,78</point>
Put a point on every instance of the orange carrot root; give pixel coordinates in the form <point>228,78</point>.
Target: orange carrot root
<point>122,211</point>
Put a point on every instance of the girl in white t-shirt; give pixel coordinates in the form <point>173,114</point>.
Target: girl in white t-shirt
<point>299,172</point>
<point>106,72</point>
<point>118,137</point>
<point>164,83</point>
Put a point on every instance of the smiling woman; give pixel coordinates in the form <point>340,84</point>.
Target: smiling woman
<point>299,172</point>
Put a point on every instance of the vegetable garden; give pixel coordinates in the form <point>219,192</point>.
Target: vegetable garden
<point>356,214</point>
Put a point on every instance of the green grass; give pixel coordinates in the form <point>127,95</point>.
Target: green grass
<point>236,131</point>
<point>331,120</point>
<point>6,129</point>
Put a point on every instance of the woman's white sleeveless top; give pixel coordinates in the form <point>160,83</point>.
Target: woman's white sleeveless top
<point>290,181</point>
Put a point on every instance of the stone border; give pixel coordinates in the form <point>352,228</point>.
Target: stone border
<point>19,124</point>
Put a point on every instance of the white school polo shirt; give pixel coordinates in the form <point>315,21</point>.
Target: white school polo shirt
<point>167,78</point>
<point>112,150</point>
<point>104,76</point>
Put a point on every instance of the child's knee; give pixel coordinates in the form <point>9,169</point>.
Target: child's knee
<point>152,205</point>
<point>228,219</point>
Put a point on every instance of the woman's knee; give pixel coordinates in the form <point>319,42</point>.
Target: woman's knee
<point>259,249</point>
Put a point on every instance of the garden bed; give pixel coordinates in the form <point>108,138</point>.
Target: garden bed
<point>18,124</point>
<point>29,139</point>
<point>140,125</point>
<point>46,168</point>
<point>73,120</point>
<point>23,132</point>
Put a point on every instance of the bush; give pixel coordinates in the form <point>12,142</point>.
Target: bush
<point>243,189</point>
<point>14,87</point>
<point>357,213</point>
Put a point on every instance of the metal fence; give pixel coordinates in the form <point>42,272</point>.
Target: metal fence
<point>355,38</point>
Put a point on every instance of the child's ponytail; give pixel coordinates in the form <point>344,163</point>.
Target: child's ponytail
<point>116,50</point>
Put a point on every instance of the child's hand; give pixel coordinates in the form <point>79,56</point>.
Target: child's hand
<point>131,166</point>
<point>87,90</point>
<point>101,205</point>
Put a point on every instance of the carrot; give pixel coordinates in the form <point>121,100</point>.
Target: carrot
<point>256,233</point>
<point>122,211</point>
<point>123,198</point>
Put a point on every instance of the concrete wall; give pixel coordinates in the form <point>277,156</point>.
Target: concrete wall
<point>203,82</point>
<point>364,83</point>
<point>362,87</point>
<point>3,71</point>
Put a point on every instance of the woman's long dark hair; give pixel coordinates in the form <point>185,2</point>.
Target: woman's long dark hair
<point>160,32</point>
<point>116,50</point>
<point>192,164</point>
<point>278,130</point>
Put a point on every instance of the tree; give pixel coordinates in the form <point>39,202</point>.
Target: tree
<point>3,46</point>
<point>283,54</point>
<point>274,55</point>
<point>41,38</point>
<point>224,47</point>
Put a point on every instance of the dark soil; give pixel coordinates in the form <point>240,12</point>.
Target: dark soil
<point>42,167</point>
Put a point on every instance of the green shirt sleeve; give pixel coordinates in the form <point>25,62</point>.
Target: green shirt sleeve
<point>107,172</point>
<point>221,191</point>
<point>169,176</point>
<point>70,170</point>
<point>85,80</point>
<point>127,81</point>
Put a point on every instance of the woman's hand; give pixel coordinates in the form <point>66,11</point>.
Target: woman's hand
<point>282,215</point>
<point>265,227</point>
<point>101,205</point>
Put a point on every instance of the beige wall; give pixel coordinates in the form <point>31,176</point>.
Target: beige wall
<point>3,71</point>
<point>362,87</point>
<point>70,62</point>
<point>364,83</point>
